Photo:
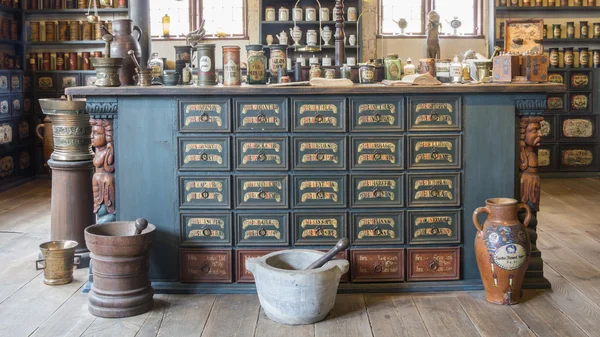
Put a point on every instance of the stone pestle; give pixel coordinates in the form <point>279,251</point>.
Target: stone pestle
<point>340,246</point>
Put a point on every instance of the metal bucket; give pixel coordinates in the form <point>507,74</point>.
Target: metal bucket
<point>71,129</point>
<point>120,267</point>
<point>107,71</point>
<point>58,261</point>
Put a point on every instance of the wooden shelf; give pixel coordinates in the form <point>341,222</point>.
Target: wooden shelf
<point>76,11</point>
<point>547,9</point>
<point>322,47</point>
<point>67,43</point>
<point>11,42</point>
<point>7,9</point>
<point>561,41</point>
<point>305,22</point>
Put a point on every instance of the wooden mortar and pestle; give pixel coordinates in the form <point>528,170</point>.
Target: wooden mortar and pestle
<point>107,68</point>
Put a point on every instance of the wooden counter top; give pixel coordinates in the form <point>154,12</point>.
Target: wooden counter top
<point>182,90</point>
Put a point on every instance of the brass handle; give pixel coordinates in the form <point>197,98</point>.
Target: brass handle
<point>320,231</point>
<point>262,232</point>
<point>204,117</point>
<point>318,118</point>
<point>37,264</point>
<point>206,232</point>
<point>262,156</point>
<point>376,117</point>
<point>434,230</point>
<point>320,194</point>
<point>435,193</point>
<point>434,154</point>
<point>433,265</point>
<point>378,268</point>
<point>434,116</point>
<point>262,194</point>
<point>377,156</point>
<point>261,117</point>
<point>377,231</point>
<point>320,156</point>
<point>204,194</point>
<point>203,156</point>
<point>205,269</point>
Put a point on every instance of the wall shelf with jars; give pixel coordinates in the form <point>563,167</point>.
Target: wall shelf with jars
<point>75,11</point>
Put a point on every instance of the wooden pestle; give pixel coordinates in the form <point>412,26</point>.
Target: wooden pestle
<point>108,39</point>
<point>340,246</point>
<point>140,225</point>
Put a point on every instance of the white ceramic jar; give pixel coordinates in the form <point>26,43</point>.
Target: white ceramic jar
<point>324,14</point>
<point>352,14</point>
<point>284,14</point>
<point>311,37</point>
<point>297,14</point>
<point>311,14</point>
<point>270,13</point>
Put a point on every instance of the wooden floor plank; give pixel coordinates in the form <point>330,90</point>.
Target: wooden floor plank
<point>444,316</point>
<point>116,327</point>
<point>544,318</point>
<point>233,316</point>
<point>8,236</point>
<point>70,320</point>
<point>348,318</point>
<point>33,217</point>
<point>25,310</point>
<point>151,326</point>
<point>269,328</point>
<point>394,315</point>
<point>492,320</point>
<point>186,315</point>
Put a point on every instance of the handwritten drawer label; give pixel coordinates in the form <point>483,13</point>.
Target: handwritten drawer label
<point>264,229</point>
<point>205,265</point>
<point>243,255</point>
<point>377,265</point>
<point>378,191</point>
<point>435,113</point>
<point>434,151</point>
<point>320,153</point>
<point>578,128</point>
<point>262,114</point>
<point>262,191</point>
<point>205,192</point>
<point>204,153</point>
<point>206,228</point>
<point>434,189</point>
<point>262,153</point>
<point>319,114</point>
<point>433,264</point>
<point>319,228</point>
<point>373,228</point>
<point>577,157</point>
<point>372,114</point>
<point>320,191</point>
<point>376,153</point>
<point>210,116</point>
<point>434,226</point>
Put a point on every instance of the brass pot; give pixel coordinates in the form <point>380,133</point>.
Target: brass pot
<point>58,261</point>
<point>107,71</point>
<point>71,129</point>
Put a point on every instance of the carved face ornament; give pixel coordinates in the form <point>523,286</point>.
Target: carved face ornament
<point>533,135</point>
<point>98,138</point>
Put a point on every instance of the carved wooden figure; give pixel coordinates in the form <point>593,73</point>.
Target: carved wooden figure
<point>530,139</point>
<point>103,182</point>
<point>433,31</point>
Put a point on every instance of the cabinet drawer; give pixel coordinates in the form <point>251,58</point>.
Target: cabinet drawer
<point>16,82</point>
<point>578,157</point>
<point>28,82</point>
<point>377,265</point>
<point>262,153</point>
<point>434,226</point>
<point>377,228</point>
<point>319,228</point>
<point>377,114</point>
<point>431,264</point>
<point>434,113</point>
<point>377,153</point>
<point>261,114</point>
<point>205,265</point>
<point>262,191</point>
<point>319,114</point>
<point>17,104</point>
<point>205,192</point>
<point>205,229</point>
<point>7,134</point>
<point>45,82</point>
<point>434,151</point>
<point>243,255</point>
<point>204,153</point>
<point>319,153</point>
<point>319,191</point>
<point>575,128</point>
<point>207,115</point>
<point>4,82</point>
<point>27,105</point>
<point>581,80</point>
<point>434,189</point>
<point>5,106</point>
<point>377,190</point>
<point>262,229</point>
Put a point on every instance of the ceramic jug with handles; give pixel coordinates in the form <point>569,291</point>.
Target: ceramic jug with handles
<point>123,41</point>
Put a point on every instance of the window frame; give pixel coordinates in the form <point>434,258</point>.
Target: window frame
<point>195,18</point>
<point>428,5</point>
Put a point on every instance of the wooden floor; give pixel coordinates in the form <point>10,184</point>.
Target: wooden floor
<point>569,238</point>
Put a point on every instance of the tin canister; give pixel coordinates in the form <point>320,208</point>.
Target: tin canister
<point>32,4</point>
<point>545,34</point>
<point>82,4</point>
<point>109,26</point>
<point>50,31</point>
<point>33,61</point>
<point>231,66</point>
<point>427,65</point>
<point>584,58</point>
<point>85,60</point>
<point>6,29</point>
<point>57,4</point>
<point>596,58</point>
<point>442,70</point>
<point>570,30</point>
<point>554,58</point>
<point>14,30</point>
<point>556,31</point>
<point>277,60</point>
<point>257,64</point>
<point>46,65</point>
<point>70,4</point>
<point>60,61</point>
<point>86,31</point>
<point>98,30</point>
<point>74,31</point>
<point>393,67</point>
<point>97,54</point>
<point>58,261</point>
<point>205,56</point>
<point>73,61</point>
<point>35,31</point>
<point>568,57</point>
<point>63,30</point>
<point>366,73</point>
<point>583,29</point>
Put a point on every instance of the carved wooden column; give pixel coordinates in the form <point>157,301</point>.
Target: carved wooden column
<point>102,117</point>
<point>340,51</point>
<point>530,116</point>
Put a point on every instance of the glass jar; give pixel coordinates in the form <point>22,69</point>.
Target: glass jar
<point>366,73</point>
<point>346,72</point>
<point>554,58</point>
<point>324,14</point>
<point>568,57</point>
<point>596,58</point>
<point>570,30</point>
<point>186,74</point>
<point>455,70</point>
<point>409,68</point>
<point>157,65</point>
<point>596,30</point>
<point>556,31</point>
<point>352,14</point>
<point>330,73</point>
<point>584,58</point>
<point>503,3</point>
<point>392,67</point>
<point>257,64</point>
<point>277,60</point>
<point>583,29</point>
<point>314,72</point>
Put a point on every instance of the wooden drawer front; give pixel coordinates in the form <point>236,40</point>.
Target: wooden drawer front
<point>381,114</point>
<point>431,264</point>
<point>319,228</point>
<point>262,191</point>
<point>7,134</point>
<point>377,265</point>
<point>17,104</point>
<point>434,113</point>
<point>261,114</point>
<point>434,189</point>
<point>556,103</point>
<point>68,80</point>
<point>319,191</point>
<point>556,77</point>
<point>27,105</point>
<point>206,229</point>
<point>4,82</point>
<point>319,114</point>
<point>377,190</point>
<point>205,192</point>
<point>262,153</point>
<point>205,265</point>
<point>580,157</point>
<point>28,82</point>
<point>580,102</point>
<point>319,153</point>
<point>576,128</point>
<point>547,156</point>
<point>434,151</point>
<point>262,229</point>
<point>210,115</point>
<point>204,153</point>
<point>45,82</point>
<point>581,80</point>
<point>243,255</point>
<point>377,228</point>
<point>548,128</point>
<point>8,163</point>
<point>434,226</point>
<point>377,153</point>
<point>16,82</point>
<point>5,106</point>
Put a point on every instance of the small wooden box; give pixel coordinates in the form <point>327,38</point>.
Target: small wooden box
<point>535,67</point>
<point>524,36</point>
<point>505,68</point>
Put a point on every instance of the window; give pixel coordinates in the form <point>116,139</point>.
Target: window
<point>226,16</point>
<point>415,13</point>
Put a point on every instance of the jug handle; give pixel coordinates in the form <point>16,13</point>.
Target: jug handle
<point>37,131</point>
<point>476,213</point>
<point>37,264</point>
<point>528,211</point>
<point>139,30</point>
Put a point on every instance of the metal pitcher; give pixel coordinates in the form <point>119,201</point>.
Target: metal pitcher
<point>58,261</point>
<point>47,139</point>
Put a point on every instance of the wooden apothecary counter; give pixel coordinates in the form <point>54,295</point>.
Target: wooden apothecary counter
<point>230,173</point>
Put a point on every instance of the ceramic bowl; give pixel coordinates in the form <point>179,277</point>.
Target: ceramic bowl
<point>170,79</point>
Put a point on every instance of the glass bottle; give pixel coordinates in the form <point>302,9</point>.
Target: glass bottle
<point>186,77</point>
<point>166,25</point>
<point>583,29</point>
<point>570,30</point>
<point>456,70</point>
<point>584,58</point>
<point>346,71</point>
<point>409,68</point>
<point>315,71</point>
<point>393,67</point>
<point>156,64</point>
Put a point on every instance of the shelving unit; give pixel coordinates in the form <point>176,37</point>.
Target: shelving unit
<point>570,141</point>
<point>74,11</point>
